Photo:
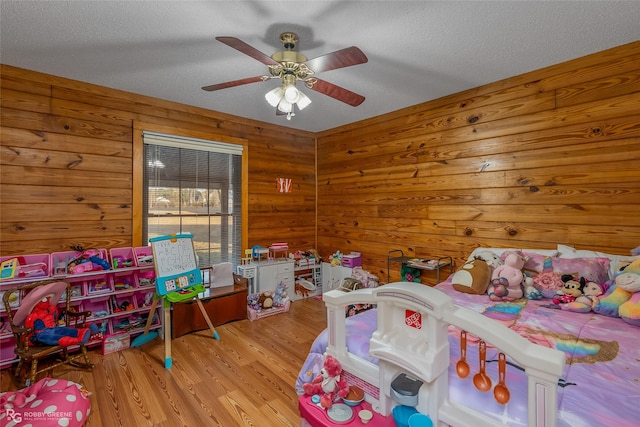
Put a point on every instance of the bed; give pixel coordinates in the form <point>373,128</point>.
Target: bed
<point>563,368</point>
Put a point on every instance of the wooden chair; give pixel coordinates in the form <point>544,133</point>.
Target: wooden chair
<point>27,352</point>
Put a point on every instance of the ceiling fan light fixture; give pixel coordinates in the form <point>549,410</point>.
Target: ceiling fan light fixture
<point>303,101</point>
<point>291,94</point>
<point>285,106</point>
<point>274,96</point>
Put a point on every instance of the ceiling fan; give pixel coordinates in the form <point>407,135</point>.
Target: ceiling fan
<point>290,67</point>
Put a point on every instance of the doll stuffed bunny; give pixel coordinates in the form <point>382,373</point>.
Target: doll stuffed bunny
<point>507,279</point>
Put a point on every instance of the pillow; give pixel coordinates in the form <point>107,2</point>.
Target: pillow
<point>472,278</point>
<point>614,260</point>
<point>592,269</point>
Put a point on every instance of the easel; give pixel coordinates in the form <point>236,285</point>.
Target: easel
<point>166,303</point>
<point>178,279</point>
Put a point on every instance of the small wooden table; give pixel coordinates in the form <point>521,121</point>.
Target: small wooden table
<point>223,305</point>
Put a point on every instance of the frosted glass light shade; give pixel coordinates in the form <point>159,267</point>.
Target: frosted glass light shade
<point>274,96</point>
<point>285,106</point>
<point>291,94</point>
<point>303,101</point>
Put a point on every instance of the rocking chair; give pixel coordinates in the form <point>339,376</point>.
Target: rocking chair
<point>29,352</point>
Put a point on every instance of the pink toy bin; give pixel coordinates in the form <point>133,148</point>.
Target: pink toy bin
<point>30,266</point>
<point>98,285</point>
<point>60,259</point>
<point>98,307</point>
<point>144,298</point>
<point>125,281</point>
<point>146,279</point>
<point>119,301</point>
<point>6,349</point>
<point>143,256</point>
<point>122,258</point>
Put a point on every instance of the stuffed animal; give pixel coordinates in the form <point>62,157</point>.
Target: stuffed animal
<point>584,303</point>
<point>571,290</point>
<point>507,279</point>
<point>491,258</point>
<point>253,301</point>
<point>43,319</point>
<point>280,296</point>
<point>472,278</point>
<point>623,298</point>
<point>266,299</point>
<point>329,384</point>
<point>336,259</point>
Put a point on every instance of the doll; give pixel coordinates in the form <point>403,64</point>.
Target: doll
<point>43,319</point>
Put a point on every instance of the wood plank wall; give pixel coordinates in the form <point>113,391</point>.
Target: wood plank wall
<point>67,165</point>
<point>548,157</point>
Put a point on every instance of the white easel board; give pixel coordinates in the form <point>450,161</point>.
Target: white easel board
<point>175,263</point>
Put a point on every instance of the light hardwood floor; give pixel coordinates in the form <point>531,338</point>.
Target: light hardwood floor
<point>246,378</point>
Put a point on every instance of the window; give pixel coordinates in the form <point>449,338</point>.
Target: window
<point>194,186</point>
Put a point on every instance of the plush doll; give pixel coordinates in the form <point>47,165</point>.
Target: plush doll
<point>507,279</point>
<point>329,384</point>
<point>266,299</point>
<point>44,322</point>
<point>491,258</point>
<point>336,259</point>
<point>472,278</point>
<point>280,296</point>
<point>584,303</point>
<point>253,301</point>
<point>571,290</point>
<point>623,298</point>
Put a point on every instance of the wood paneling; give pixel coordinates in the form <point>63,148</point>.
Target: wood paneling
<point>549,157</point>
<point>67,166</point>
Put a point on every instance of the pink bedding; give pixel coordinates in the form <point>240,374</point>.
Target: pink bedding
<point>599,387</point>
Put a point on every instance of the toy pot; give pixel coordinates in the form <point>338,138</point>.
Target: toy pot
<point>501,392</point>
<point>462,367</point>
<point>481,380</point>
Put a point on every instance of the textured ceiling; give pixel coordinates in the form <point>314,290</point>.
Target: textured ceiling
<point>417,50</point>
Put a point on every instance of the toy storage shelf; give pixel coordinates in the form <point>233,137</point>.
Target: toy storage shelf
<point>119,298</point>
<point>432,263</point>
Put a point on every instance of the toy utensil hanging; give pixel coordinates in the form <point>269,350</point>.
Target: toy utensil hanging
<point>501,392</point>
<point>481,380</point>
<point>462,367</point>
<point>147,336</point>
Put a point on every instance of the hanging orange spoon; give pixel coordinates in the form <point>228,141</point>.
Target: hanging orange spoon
<point>501,392</point>
<point>462,367</point>
<point>481,380</point>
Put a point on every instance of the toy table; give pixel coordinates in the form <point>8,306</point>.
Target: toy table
<point>315,416</point>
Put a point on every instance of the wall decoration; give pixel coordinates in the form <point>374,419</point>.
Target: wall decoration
<point>284,185</point>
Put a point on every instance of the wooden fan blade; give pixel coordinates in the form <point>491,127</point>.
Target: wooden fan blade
<point>247,50</point>
<point>339,59</point>
<point>339,93</point>
<point>233,83</point>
